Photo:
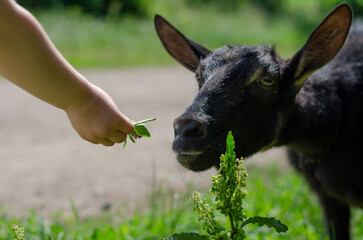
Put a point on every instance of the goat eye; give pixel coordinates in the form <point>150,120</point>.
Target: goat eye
<point>265,82</point>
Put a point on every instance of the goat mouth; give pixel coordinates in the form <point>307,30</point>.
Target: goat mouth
<point>191,162</point>
<point>190,154</point>
<point>187,158</point>
<point>200,161</point>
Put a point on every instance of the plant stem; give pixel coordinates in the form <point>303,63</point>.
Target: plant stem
<point>232,225</point>
<point>209,219</point>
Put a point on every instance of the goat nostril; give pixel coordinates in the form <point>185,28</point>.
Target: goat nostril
<point>193,131</point>
<point>196,132</point>
<point>189,128</point>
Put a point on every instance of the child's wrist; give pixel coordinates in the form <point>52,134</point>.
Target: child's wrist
<point>87,93</point>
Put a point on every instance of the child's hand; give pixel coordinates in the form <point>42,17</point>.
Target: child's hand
<point>98,120</point>
<point>30,60</point>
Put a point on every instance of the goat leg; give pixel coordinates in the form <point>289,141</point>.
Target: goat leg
<point>337,217</point>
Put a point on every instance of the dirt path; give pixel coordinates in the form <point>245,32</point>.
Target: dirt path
<point>43,162</point>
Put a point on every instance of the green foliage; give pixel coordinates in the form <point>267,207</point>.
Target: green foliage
<point>108,234</point>
<point>229,190</point>
<point>187,236</point>
<point>166,211</point>
<point>87,40</point>
<point>96,7</point>
<point>141,8</point>
<point>18,232</point>
<point>140,130</point>
<point>269,222</point>
<point>210,225</point>
<point>277,191</point>
<point>36,4</point>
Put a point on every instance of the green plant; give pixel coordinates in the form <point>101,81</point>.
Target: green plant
<point>140,130</point>
<point>287,197</point>
<point>18,232</point>
<point>229,189</point>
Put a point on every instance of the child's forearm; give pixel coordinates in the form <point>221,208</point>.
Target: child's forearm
<point>29,59</point>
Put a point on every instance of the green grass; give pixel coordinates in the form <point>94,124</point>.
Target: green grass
<point>273,193</point>
<point>87,41</point>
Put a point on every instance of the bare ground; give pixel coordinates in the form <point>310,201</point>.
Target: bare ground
<point>43,162</point>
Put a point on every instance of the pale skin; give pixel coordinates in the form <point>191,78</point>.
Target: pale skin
<point>30,60</point>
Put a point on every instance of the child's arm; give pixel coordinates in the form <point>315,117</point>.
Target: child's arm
<point>29,59</point>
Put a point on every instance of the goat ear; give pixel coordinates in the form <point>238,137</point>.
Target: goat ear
<point>184,50</point>
<point>322,45</point>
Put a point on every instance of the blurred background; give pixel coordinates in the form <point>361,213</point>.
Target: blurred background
<point>114,45</point>
<point>104,33</point>
<point>44,163</point>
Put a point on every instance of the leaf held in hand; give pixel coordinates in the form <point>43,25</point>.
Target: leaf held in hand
<point>140,130</point>
<point>132,138</point>
<point>144,122</point>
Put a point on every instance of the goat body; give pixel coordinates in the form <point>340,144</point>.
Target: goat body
<point>312,103</point>
<point>324,133</point>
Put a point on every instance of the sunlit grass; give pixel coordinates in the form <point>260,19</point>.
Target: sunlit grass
<point>87,41</point>
<point>272,192</point>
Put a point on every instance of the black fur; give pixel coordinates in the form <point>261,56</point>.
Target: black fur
<point>266,101</point>
<point>324,133</point>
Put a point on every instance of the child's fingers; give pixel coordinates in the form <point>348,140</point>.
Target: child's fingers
<point>125,125</point>
<point>106,142</point>
<point>117,136</point>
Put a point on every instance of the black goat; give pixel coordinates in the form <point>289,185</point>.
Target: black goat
<point>268,101</point>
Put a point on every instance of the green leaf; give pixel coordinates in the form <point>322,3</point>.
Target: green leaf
<point>144,122</point>
<point>187,236</point>
<point>132,138</point>
<point>230,146</point>
<point>142,131</point>
<point>269,222</point>
<point>125,142</point>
